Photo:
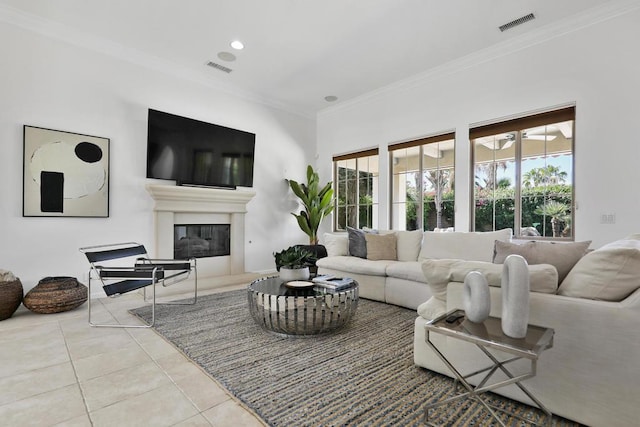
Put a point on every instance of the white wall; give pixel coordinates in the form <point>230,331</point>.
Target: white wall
<point>596,67</point>
<point>48,83</point>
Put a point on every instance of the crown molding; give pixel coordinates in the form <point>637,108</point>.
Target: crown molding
<point>64,33</point>
<point>593,16</point>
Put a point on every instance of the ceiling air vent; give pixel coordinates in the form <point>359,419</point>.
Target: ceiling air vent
<point>516,22</point>
<point>219,67</point>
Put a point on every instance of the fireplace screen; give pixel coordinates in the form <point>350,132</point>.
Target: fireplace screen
<point>201,240</point>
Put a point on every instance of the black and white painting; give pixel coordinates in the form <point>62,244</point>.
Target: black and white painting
<point>65,174</point>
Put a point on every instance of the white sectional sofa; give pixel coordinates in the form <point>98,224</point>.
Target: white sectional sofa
<point>590,375</point>
<point>400,280</point>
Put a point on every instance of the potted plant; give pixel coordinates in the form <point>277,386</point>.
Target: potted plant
<point>293,263</point>
<point>317,202</point>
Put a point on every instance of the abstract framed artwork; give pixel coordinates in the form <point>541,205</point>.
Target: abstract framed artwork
<point>65,174</point>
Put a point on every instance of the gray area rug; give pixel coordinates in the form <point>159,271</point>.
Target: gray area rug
<point>361,375</point>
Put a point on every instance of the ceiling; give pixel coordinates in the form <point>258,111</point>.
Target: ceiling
<point>297,52</point>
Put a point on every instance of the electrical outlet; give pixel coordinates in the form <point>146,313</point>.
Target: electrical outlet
<point>608,218</point>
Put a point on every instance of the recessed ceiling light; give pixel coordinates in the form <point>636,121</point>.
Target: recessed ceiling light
<point>227,56</point>
<point>237,45</point>
<point>331,98</point>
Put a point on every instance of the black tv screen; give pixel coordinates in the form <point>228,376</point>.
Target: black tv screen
<point>192,152</point>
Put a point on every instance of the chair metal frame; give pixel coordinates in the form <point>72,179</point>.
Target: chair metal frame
<point>145,272</point>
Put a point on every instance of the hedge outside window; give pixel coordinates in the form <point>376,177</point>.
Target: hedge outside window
<point>356,179</point>
<point>523,175</point>
<point>422,177</point>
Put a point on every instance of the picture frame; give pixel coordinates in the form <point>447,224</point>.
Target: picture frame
<point>65,174</point>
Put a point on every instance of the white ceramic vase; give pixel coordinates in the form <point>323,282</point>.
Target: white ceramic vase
<point>476,300</point>
<point>515,296</point>
<point>290,274</point>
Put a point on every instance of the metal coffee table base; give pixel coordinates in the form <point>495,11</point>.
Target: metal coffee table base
<point>300,313</point>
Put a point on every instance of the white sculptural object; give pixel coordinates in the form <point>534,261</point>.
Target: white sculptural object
<point>476,300</point>
<point>515,296</point>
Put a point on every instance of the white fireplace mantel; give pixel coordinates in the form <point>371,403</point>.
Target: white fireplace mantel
<point>176,198</point>
<point>176,205</point>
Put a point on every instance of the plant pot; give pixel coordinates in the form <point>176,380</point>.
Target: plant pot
<point>55,295</point>
<point>290,274</point>
<point>319,251</point>
<point>10,297</point>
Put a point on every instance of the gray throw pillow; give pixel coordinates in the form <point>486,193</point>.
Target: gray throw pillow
<point>563,256</point>
<point>357,243</point>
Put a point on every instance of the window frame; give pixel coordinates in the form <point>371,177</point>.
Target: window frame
<point>421,142</point>
<point>350,156</point>
<point>519,125</point>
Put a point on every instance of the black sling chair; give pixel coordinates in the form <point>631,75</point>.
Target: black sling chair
<point>126,267</point>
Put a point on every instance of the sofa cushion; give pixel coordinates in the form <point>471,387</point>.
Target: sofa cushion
<point>469,246</point>
<point>563,256</point>
<point>381,246</point>
<point>355,265</point>
<point>408,244</point>
<point>407,270</point>
<point>610,273</point>
<point>336,244</point>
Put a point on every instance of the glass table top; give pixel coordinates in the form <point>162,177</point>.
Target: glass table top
<point>489,333</point>
<point>276,286</point>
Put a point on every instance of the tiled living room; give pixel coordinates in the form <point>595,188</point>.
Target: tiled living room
<point>128,376</point>
<point>454,135</point>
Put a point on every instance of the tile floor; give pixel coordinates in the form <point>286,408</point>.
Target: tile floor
<point>55,370</point>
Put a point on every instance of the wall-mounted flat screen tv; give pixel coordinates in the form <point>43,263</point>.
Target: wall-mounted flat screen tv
<point>192,152</point>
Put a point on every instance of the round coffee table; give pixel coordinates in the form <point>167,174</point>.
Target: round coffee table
<point>300,311</point>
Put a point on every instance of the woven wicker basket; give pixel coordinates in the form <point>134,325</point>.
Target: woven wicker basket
<point>55,295</point>
<point>10,298</point>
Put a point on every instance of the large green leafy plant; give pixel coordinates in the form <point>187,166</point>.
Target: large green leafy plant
<point>317,202</point>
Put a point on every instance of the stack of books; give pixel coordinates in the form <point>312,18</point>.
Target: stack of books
<point>332,282</point>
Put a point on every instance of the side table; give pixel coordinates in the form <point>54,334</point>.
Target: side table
<point>488,336</point>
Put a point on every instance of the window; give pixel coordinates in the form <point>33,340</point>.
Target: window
<point>422,173</point>
<point>523,175</point>
<point>356,185</point>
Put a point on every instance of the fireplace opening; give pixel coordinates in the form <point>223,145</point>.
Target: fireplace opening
<point>201,240</point>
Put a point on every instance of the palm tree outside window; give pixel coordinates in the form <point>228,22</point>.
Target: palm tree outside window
<point>523,175</point>
<point>422,183</point>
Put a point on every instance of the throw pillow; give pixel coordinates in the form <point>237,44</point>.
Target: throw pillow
<point>469,246</point>
<point>381,246</point>
<point>336,244</point>
<point>357,243</point>
<point>408,244</point>
<point>563,256</point>
<point>437,273</point>
<point>610,273</point>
